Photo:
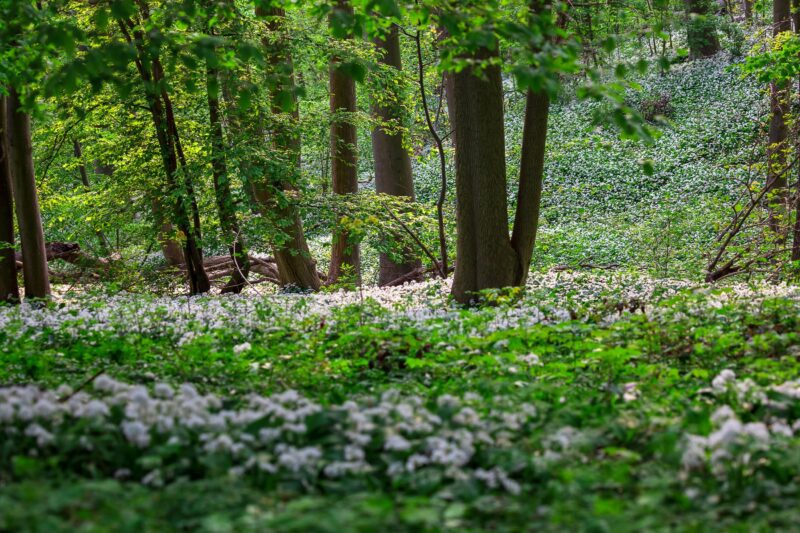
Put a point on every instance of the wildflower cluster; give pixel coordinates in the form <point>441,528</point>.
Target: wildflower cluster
<point>129,432</point>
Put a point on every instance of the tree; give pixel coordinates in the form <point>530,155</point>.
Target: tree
<point>344,158</point>
<point>778,130</point>
<point>701,29</point>
<point>26,200</point>
<point>159,103</point>
<point>392,162</point>
<point>486,257</point>
<point>295,266</point>
<point>9,289</point>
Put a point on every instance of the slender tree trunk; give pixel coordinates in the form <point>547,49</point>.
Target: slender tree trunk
<point>23,182</point>
<point>344,162</point>
<point>222,191</point>
<point>295,265</point>
<point>437,139</point>
<point>9,288</point>
<point>778,130</point>
<point>485,258</point>
<point>392,163</point>
<point>531,174</point>
<point>160,106</point>
<point>77,151</point>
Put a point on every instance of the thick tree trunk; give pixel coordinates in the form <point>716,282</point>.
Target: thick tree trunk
<point>531,175</point>
<point>344,163</point>
<point>29,219</point>
<point>392,163</point>
<point>9,288</point>
<point>485,258</point>
<point>778,129</point>
<point>796,227</point>
<point>222,191</point>
<point>701,29</point>
<point>296,267</point>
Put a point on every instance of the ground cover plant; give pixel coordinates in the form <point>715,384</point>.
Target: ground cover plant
<point>608,401</point>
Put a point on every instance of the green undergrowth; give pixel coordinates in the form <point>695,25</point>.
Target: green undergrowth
<point>631,380</point>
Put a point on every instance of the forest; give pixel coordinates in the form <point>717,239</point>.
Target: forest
<point>394,265</point>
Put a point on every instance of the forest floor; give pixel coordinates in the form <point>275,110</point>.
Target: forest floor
<point>604,402</point>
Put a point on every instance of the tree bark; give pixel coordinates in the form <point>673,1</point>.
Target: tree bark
<point>344,162</point>
<point>778,130</point>
<point>485,258</point>
<point>392,164</point>
<point>222,191</point>
<point>23,182</point>
<point>701,29</point>
<point>796,226</point>
<point>9,288</point>
<point>296,267</point>
<point>531,175</point>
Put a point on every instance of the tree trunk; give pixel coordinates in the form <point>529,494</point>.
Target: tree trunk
<point>23,182</point>
<point>485,258</point>
<point>392,163</point>
<point>9,288</point>
<point>151,74</point>
<point>778,130</point>
<point>531,175</point>
<point>344,162</point>
<point>222,191</point>
<point>296,267</point>
<point>701,29</point>
<point>796,227</point>
<point>747,7</point>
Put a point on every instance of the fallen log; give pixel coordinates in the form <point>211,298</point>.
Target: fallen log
<point>222,266</point>
<point>69,252</point>
<point>418,274</point>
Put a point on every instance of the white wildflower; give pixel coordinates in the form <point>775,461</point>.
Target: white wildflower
<point>728,433</point>
<point>42,436</point>
<point>137,433</point>
<point>722,414</point>
<point>757,430</point>
<point>94,409</point>
<point>396,443</point>
<point>694,453</point>
<point>723,379</point>
<point>164,391</point>
<point>241,348</point>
